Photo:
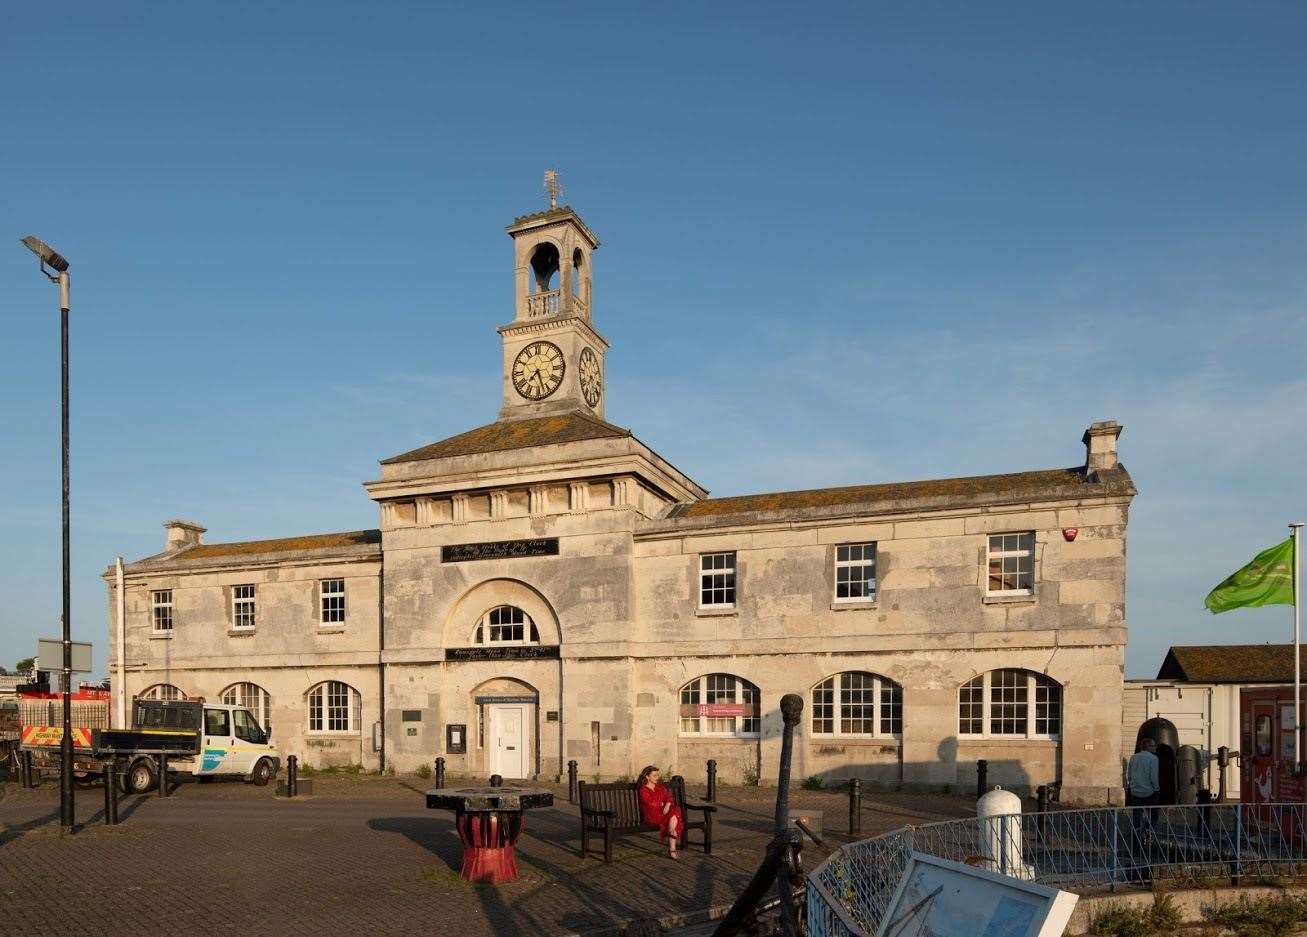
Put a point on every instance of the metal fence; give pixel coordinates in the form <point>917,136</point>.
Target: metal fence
<point>1081,851</point>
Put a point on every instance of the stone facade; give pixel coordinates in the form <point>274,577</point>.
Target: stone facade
<point>535,586</point>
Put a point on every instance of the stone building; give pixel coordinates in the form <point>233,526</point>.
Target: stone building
<point>547,588</point>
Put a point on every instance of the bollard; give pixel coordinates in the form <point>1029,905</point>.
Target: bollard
<point>30,776</point>
<point>982,777</point>
<point>292,776</point>
<point>855,806</point>
<point>1041,805</point>
<point>1222,762</point>
<point>111,793</point>
<point>573,784</point>
<point>163,775</point>
<point>711,795</point>
<point>440,772</point>
<point>496,780</point>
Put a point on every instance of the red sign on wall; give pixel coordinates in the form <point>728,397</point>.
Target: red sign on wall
<point>722,710</point>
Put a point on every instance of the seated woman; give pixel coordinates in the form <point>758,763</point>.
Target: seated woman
<point>659,809</point>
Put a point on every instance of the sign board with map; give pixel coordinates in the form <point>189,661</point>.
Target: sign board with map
<point>940,898</point>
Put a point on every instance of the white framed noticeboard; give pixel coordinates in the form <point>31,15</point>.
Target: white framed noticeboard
<point>940,898</point>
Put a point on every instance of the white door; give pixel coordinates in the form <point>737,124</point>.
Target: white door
<point>509,740</point>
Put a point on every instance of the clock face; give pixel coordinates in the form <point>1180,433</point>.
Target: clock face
<point>538,370</point>
<point>592,379</point>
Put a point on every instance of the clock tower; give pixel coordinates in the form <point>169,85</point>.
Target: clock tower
<point>553,357</point>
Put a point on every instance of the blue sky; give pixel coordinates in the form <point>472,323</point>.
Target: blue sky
<point>843,243</point>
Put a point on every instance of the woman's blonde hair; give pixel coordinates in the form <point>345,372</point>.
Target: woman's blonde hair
<point>644,775</point>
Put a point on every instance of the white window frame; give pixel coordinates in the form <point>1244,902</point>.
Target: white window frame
<point>1003,554</point>
<point>156,692</point>
<point>837,702</point>
<point>238,603</point>
<point>324,595</point>
<point>850,564</point>
<point>698,688</point>
<point>729,569</point>
<point>482,635</point>
<point>159,604</point>
<point>253,697</point>
<point>323,693</point>
<point>1034,681</point>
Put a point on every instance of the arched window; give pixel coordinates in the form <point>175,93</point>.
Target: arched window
<point>1018,704</point>
<point>578,271</point>
<point>544,268</point>
<point>858,704</point>
<point>165,691</point>
<point>506,624</point>
<point>254,698</point>
<point>335,707</point>
<point>720,704</point>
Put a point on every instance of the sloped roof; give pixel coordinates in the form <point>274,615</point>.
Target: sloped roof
<point>282,545</point>
<point>1069,482</point>
<point>1229,663</point>
<point>503,435</point>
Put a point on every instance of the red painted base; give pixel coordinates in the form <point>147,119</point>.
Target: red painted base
<point>488,838</point>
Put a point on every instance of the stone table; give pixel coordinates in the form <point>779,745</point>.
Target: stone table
<point>489,820</point>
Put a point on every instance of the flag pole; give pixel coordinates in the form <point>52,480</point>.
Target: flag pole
<point>1296,531</point>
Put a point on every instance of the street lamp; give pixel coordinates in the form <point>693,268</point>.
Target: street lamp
<point>47,256</point>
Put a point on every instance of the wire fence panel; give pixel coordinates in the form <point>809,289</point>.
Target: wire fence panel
<point>1075,850</point>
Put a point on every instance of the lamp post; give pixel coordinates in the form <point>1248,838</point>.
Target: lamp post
<point>47,256</point>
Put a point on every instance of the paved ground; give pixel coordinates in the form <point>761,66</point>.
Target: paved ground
<point>363,852</point>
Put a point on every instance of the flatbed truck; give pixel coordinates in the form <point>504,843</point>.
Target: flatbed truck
<point>200,739</point>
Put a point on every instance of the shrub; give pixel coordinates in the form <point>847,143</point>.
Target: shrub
<point>423,771</point>
<point>813,783</point>
<point>1128,921</point>
<point>1271,916</point>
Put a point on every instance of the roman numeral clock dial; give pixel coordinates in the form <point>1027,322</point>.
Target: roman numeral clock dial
<point>592,379</point>
<point>538,370</point>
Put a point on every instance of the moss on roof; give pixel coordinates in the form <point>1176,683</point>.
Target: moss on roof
<point>283,545</point>
<point>503,435</point>
<point>1229,663</point>
<point>1039,482</point>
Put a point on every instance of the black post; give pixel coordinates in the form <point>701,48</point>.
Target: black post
<point>496,780</point>
<point>711,795</point>
<point>440,772</point>
<point>982,778</point>
<point>66,806</point>
<point>110,794</point>
<point>1041,805</point>
<point>1222,762</point>
<point>573,785</point>
<point>855,806</point>
<point>163,775</point>
<point>25,770</point>
<point>292,776</point>
<point>791,712</point>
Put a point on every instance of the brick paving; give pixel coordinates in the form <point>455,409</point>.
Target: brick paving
<point>364,852</point>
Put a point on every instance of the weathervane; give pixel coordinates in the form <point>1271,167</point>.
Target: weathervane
<point>553,187</point>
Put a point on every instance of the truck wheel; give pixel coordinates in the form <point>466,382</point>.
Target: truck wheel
<point>262,773</point>
<point>139,778</point>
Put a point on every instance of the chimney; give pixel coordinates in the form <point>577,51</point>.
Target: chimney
<point>1100,446</point>
<point>182,535</point>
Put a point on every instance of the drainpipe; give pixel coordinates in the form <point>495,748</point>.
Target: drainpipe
<point>122,645</point>
<point>381,660</point>
<point>561,743</point>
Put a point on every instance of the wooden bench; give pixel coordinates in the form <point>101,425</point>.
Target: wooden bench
<point>615,808</point>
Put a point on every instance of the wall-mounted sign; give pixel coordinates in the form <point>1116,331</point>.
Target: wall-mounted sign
<point>521,698</point>
<point>456,739</point>
<point>499,550</point>
<point>512,652</point>
<point>691,710</point>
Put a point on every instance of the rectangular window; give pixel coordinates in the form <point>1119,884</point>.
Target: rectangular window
<point>1009,694</point>
<point>242,606</point>
<point>161,609</point>
<point>855,572</point>
<point>1048,709</point>
<point>333,601</point>
<point>1011,564</point>
<point>216,722</point>
<point>716,580</point>
<point>858,705</point>
<point>337,707</point>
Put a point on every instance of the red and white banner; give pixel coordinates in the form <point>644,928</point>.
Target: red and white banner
<point>721,710</point>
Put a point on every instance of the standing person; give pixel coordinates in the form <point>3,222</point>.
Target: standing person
<point>659,809</point>
<point>1144,787</point>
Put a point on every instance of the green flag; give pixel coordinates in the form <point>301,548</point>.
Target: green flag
<point>1267,580</point>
